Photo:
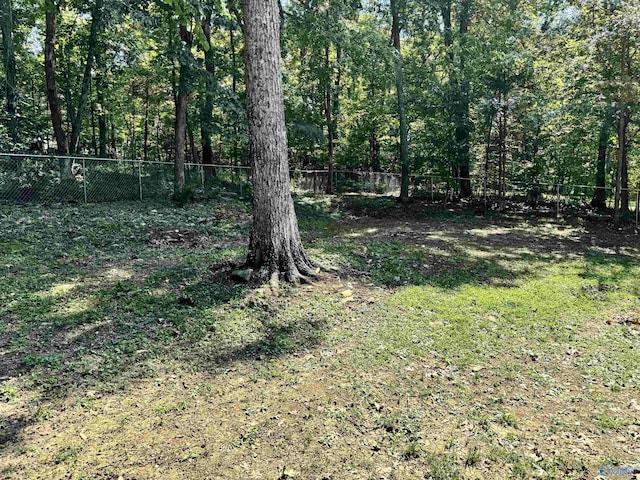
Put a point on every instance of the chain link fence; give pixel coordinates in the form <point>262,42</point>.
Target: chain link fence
<point>47,179</point>
<point>35,178</point>
<point>355,181</point>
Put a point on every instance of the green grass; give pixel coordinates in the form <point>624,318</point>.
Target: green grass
<point>464,346</point>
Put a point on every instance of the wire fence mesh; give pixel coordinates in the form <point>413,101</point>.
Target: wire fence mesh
<point>47,179</point>
<point>36,178</point>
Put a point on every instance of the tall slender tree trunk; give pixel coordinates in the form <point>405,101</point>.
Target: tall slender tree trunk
<point>50,77</point>
<point>181,135</point>
<point>374,152</point>
<point>206,110</point>
<point>445,12</point>
<point>599,200</point>
<point>132,127</point>
<point>335,104</point>
<point>623,121</point>
<point>94,138</point>
<point>182,96</point>
<point>146,122</point>
<point>275,247</point>
<point>487,156</point>
<point>621,204</point>
<point>112,139</point>
<point>9,63</point>
<point>103,133</point>
<point>234,66</point>
<point>502,155</point>
<point>463,129</point>
<point>234,89</point>
<point>402,106</point>
<point>76,120</point>
<point>328,112</point>
<point>624,181</point>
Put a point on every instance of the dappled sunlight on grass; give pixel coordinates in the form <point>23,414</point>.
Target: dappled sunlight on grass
<point>478,347</point>
<point>476,322</point>
<point>75,306</point>
<point>59,290</point>
<point>117,274</point>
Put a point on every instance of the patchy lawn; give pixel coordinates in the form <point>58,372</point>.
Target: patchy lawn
<point>448,346</point>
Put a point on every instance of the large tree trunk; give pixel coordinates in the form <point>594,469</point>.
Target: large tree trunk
<point>50,75</point>
<point>402,106</point>
<point>206,111</point>
<point>459,147</point>
<point>599,200</point>
<point>9,62</point>
<point>275,247</point>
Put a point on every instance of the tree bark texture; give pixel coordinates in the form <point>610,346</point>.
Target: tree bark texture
<point>181,136</point>
<point>206,111</point>
<point>96,28</point>
<point>331,109</point>
<point>275,247</point>
<point>621,204</point>
<point>50,76</point>
<point>402,106</point>
<point>599,200</point>
<point>102,108</point>
<point>463,128</point>
<point>181,113</point>
<point>9,63</point>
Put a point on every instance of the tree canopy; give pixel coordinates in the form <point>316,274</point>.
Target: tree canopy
<point>476,92</point>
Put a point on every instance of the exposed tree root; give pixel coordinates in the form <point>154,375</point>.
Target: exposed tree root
<point>295,272</point>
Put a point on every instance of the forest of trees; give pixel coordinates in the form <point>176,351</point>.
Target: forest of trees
<point>469,90</point>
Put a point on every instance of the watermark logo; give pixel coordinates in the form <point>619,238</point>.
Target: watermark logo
<point>607,470</point>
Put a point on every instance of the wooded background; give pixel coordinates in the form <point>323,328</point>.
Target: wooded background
<point>533,91</point>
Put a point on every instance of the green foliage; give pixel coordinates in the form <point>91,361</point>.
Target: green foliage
<point>525,85</point>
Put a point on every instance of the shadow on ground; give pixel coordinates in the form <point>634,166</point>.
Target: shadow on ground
<point>105,310</point>
<point>448,249</point>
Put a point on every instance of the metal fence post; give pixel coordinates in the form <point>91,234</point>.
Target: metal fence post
<point>431,187</point>
<point>84,181</point>
<point>140,177</point>
<point>637,203</point>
